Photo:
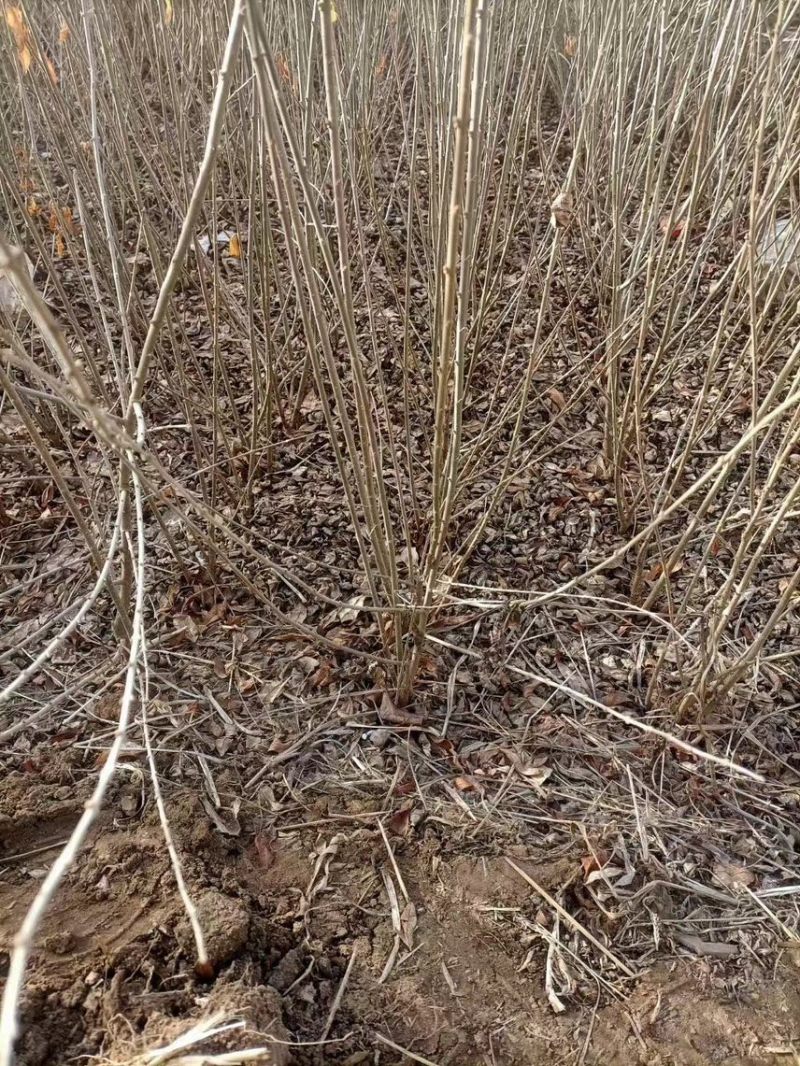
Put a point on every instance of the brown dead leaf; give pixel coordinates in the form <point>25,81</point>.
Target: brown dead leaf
<point>235,247</point>
<point>323,676</point>
<point>68,223</point>
<point>311,403</point>
<point>655,572</point>
<point>465,784</point>
<point>186,627</point>
<point>570,45</point>
<point>406,786</point>
<point>445,748</point>
<point>399,824</point>
<point>733,877</point>
<point>594,862</point>
<point>390,712</point>
<point>615,697</point>
<point>264,845</point>
<point>408,924</point>
<point>64,32</point>
<point>557,398</point>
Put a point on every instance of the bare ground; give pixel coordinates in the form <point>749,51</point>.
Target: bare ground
<point>450,941</point>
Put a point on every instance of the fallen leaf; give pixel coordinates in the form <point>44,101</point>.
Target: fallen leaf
<point>68,222</point>
<point>557,398</point>
<point>561,209</point>
<point>64,33</point>
<point>444,747</point>
<point>235,247</point>
<point>227,822</point>
<point>594,862</point>
<point>323,675</point>
<point>406,786</point>
<point>15,20</point>
<point>465,784</point>
<point>169,12</point>
<point>736,878</point>
<point>264,845</point>
<point>408,924</point>
<point>399,823</point>
<point>570,45</point>
<point>615,697</point>
<point>656,571</point>
<point>51,70</point>
<point>283,69</point>
<point>389,712</point>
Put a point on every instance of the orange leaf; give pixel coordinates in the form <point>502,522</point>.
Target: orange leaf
<point>570,45</point>
<point>64,33</point>
<point>25,58</point>
<point>15,21</point>
<point>61,246</point>
<point>235,247</point>
<point>283,69</point>
<point>33,207</point>
<point>51,70</point>
<point>465,784</point>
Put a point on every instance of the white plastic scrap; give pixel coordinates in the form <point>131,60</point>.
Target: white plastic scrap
<point>779,245</point>
<point>10,299</point>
